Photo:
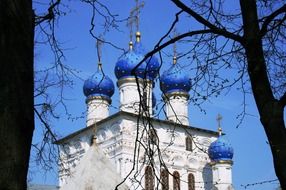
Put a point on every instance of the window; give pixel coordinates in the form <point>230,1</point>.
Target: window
<point>152,136</point>
<point>164,178</point>
<point>176,180</point>
<point>191,182</point>
<point>149,178</point>
<point>189,145</point>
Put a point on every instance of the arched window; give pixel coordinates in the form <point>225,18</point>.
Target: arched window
<point>191,181</point>
<point>189,146</point>
<point>152,136</point>
<point>149,178</point>
<point>176,180</point>
<point>164,178</point>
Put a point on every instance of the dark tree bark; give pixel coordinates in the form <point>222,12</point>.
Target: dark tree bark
<point>16,91</point>
<point>270,109</point>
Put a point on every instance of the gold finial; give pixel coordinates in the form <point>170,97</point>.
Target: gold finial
<point>138,36</point>
<point>219,118</point>
<point>219,131</point>
<point>174,60</point>
<point>130,45</point>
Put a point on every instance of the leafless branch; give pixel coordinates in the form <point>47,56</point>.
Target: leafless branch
<point>269,19</point>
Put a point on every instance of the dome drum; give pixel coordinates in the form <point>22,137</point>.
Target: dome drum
<point>168,95</point>
<point>98,97</point>
<point>132,79</point>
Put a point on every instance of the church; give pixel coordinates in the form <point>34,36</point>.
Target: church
<point>132,149</point>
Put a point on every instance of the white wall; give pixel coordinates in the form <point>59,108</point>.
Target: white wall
<point>117,137</point>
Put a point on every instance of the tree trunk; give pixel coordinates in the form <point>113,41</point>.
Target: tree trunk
<point>270,109</point>
<point>274,126</point>
<point>16,91</point>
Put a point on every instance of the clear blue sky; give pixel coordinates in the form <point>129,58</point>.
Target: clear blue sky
<point>252,158</point>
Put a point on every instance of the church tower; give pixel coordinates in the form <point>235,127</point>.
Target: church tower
<point>175,85</point>
<point>135,81</point>
<point>221,154</point>
<point>135,76</point>
<point>98,90</point>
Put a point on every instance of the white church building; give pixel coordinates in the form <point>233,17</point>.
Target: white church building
<point>132,149</point>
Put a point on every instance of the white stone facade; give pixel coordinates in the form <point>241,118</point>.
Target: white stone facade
<point>138,151</point>
<point>126,143</point>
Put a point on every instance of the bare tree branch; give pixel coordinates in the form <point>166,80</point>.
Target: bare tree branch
<point>214,29</point>
<point>270,18</point>
<point>50,15</point>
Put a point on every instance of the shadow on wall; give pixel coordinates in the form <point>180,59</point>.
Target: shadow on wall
<point>207,178</point>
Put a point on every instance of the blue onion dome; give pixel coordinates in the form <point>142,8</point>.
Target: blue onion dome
<point>220,150</point>
<point>123,67</point>
<point>153,64</point>
<point>98,85</point>
<point>175,79</point>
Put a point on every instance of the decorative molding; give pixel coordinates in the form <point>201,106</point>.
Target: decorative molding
<point>230,162</point>
<point>132,80</point>
<point>102,98</point>
<point>168,96</point>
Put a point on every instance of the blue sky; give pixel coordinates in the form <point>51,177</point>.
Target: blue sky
<point>252,157</point>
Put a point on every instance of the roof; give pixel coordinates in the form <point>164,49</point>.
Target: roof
<point>93,164</point>
<point>121,114</point>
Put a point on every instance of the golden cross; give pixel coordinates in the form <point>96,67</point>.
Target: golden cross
<point>137,9</point>
<point>175,33</point>
<point>98,47</point>
<point>134,15</point>
<point>175,47</point>
<point>130,22</point>
<point>219,118</point>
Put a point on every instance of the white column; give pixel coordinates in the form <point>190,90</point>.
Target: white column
<point>222,175</point>
<point>177,108</point>
<point>97,109</point>
<point>130,98</point>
